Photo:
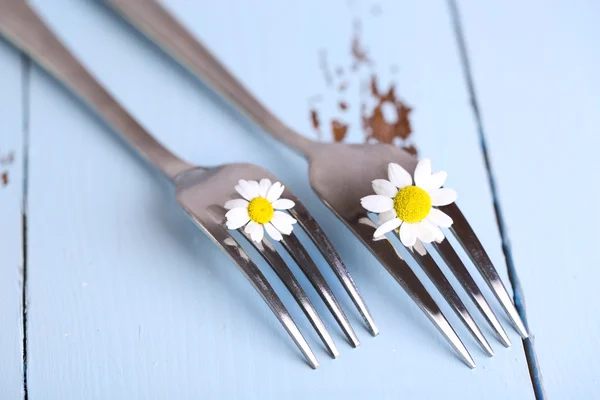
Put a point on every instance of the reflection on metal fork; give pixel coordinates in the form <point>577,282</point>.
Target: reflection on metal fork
<point>466,280</point>
<point>340,174</point>
<point>262,286</point>
<point>289,280</point>
<point>316,234</point>
<point>474,249</point>
<point>201,192</point>
<point>300,255</point>
<point>437,277</point>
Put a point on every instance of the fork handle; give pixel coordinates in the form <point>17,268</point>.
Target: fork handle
<point>158,24</point>
<point>25,29</point>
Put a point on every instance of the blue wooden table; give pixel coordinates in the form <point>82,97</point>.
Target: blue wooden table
<point>107,291</point>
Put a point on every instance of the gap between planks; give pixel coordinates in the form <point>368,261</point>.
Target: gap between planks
<point>534,368</point>
<point>25,79</point>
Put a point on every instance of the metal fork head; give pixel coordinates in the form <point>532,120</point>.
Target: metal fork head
<point>341,174</point>
<point>202,194</point>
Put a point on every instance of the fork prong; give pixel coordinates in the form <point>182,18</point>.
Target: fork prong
<point>459,270</point>
<point>266,249</point>
<point>439,280</point>
<point>262,286</point>
<point>307,265</point>
<point>316,234</point>
<point>473,247</point>
<point>386,253</point>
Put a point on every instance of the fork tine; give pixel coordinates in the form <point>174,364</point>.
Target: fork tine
<point>318,237</point>
<point>262,286</point>
<point>386,253</point>
<point>437,277</point>
<point>469,241</point>
<point>459,270</point>
<point>307,265</point>
<point>266,249</point>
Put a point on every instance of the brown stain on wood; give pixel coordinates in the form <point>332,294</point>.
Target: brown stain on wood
<point>7,159</point>
<point>316,123</point>
<point>410,149</point>
<point>375,125</point>
<point>373,122</point>
<point>339,130</point>
<point>314,117</point>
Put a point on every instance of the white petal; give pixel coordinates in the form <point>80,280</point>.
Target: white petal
<point>398,176</point>
<point>250,227</point>
<point>387,227</point>
<point>376,203</point>
<point>424,232</point>
<point>438,235</point>
<point>251,187</point>
<point>442,197</point>
<point>384,187</point>
<point>283,222</point>
<point>237,217</point>
<point>273,232</point>
<point>435,181</point>
<point>264,186</point>
<point>275,191</point>
<point>236,203</point>
<point>283,204</point>
<point>422,172</point>
<point>408,234</point>
<point>440,238</point>
<point>280,215</point>
<point>255,187</point>
<point>282,226</point>
<point>439,218</point>
<point>244,191</point>
<point>420,248</point>
<point>258,233</point>
<point>386,216</point>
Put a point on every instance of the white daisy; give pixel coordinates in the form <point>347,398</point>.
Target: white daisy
<point>409,209</point>
<point>260,210</point>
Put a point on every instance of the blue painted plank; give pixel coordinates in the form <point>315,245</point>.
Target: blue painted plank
<point>535,69</point>
<point>131,301</point>
<point>11,246</point>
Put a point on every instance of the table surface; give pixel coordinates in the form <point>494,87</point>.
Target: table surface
<point>107,291</point>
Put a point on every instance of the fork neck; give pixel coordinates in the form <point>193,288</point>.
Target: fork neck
<point>149,17</point>
<point>21,25</point>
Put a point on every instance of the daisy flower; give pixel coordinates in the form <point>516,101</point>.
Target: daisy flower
<point>260,210</point>
<point>409,209</point>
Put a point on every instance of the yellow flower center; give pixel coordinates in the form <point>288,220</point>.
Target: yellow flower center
<point>260,210</point>
<point>412,204</point>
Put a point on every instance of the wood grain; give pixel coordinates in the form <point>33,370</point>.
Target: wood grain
<point>129,300</point>
<point>11,245</point>
<point>539,88</point>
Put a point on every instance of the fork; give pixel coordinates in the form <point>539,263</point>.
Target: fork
<point>333,166</point>
<point>201,191</point>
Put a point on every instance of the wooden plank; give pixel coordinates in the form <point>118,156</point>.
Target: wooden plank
<point>11,244</point>
<point>131,301</point>
<point>535,69</point>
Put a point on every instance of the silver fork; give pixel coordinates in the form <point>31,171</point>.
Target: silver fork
<point>202,192</point>
<point>352,167</point>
